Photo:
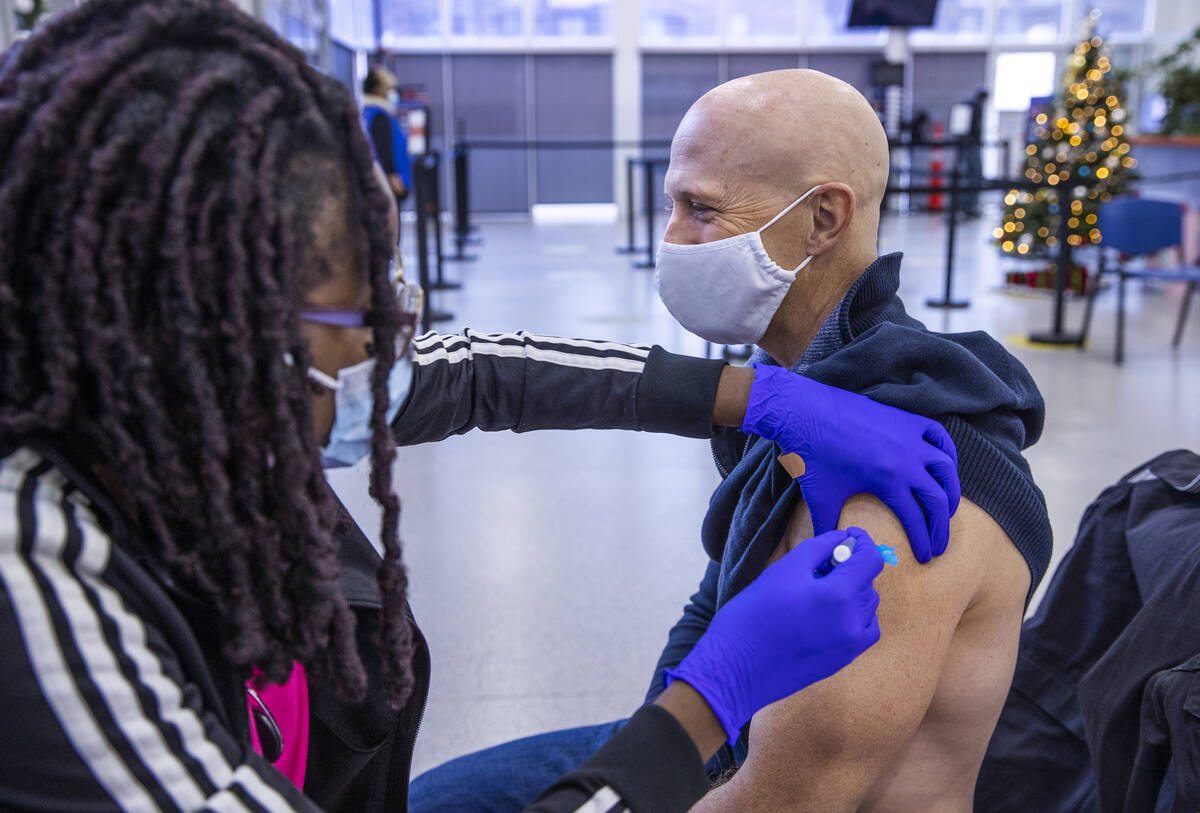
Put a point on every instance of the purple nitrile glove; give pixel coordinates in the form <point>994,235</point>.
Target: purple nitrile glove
<point>786,630</point>
<point>853,445</point>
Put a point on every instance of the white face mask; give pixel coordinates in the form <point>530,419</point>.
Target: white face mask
<point>350,437</point>
<point>726,291</point>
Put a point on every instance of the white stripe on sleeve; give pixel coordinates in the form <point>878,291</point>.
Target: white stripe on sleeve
<point>602,801</point>
<point>586,344</point>
<point>533,353</point>
<point>46,657</point>
<point>118,692</point>
<point>448,341</point>
<point>132,636</point>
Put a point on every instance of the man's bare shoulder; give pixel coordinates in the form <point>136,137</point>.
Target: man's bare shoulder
<point>839,743</point>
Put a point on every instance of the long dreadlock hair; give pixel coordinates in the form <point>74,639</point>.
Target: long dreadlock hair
<point>163,167</point>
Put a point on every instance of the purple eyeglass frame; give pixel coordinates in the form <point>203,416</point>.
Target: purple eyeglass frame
<point>408,296</point>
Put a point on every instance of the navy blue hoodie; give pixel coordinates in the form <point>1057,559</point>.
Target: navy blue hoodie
<point>967,381</point>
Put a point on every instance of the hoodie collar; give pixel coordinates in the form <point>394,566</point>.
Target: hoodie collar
<point>870,301</point>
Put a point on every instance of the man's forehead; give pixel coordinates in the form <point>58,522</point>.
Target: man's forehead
<point>692,179</point>
<point>715,168</point>
<point>700,163</point>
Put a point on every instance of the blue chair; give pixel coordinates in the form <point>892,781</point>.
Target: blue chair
<point>1137,227</point>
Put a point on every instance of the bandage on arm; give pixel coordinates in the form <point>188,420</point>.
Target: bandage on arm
<point>824,748</point>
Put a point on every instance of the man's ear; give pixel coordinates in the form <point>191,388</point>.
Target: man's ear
<point>833,210</point>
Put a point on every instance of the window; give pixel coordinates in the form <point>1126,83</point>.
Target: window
<point>297,22</point>
<point>827,21</point>
<point>1036,20</point>
<point>404,19</point>
<point>958,17</point>
<point>1119,16</point>
<point>272,15</point>
<point>1022,76</point>
<point>761,19</point>
<point>573,18</point>
<point>488,18</point>
<point>352,22</point>
<point>676,19</point>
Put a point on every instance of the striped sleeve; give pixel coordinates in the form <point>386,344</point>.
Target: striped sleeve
<point>523,381</point>
<point>650,766</point>
<point>96,710</point>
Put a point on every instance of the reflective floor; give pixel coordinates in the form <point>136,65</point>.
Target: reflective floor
<point>546,568</point>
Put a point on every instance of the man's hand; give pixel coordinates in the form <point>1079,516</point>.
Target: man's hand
<point>787,630</point>
<point>398,186</point>
<point>853,445</point>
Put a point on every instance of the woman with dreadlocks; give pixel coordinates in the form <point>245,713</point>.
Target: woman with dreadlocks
<point>197,309</point>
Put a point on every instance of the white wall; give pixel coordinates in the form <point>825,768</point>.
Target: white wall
<point>8,23</point>
<point>1174,20</point>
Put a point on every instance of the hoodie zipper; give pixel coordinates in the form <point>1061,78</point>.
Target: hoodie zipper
<point>716,458</point>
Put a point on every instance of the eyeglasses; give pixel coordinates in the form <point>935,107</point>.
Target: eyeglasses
<point>410,300</point>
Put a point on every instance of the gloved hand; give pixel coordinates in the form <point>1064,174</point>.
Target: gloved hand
<point>788,629</point>
<point>853,445</point>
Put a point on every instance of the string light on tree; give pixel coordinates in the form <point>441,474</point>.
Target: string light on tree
<point>1080,150</point>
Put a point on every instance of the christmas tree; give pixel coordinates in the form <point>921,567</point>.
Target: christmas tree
<point>1080,150</point>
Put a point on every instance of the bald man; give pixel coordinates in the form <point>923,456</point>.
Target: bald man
<point>775,182</point>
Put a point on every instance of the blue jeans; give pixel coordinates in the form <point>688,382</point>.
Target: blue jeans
<point>506,778</point>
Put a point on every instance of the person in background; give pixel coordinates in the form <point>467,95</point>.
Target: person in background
<point>970,152</point>
<point>388,137</point>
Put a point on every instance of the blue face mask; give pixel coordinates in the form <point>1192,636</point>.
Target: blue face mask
<point>350,437</point>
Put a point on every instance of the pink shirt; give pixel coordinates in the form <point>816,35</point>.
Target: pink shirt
<point>288,704</point>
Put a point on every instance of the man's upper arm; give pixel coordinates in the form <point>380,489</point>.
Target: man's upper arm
<point>825,747</point>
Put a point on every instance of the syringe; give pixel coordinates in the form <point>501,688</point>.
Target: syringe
<point>843,551</point>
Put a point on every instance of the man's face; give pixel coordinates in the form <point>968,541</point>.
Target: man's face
<point>716,190</point>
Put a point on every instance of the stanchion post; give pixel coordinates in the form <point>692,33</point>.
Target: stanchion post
<point>631,203</point>
<point>462,202</point>
<point>630,247</point>
<point>435,184</point>
<point>1062,269</point>
<point>648,193</point>
<point>947,301</point>
<point>422,239</point>
<point>421,180</point>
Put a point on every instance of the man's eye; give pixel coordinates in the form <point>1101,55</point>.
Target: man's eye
<point>695,207</point>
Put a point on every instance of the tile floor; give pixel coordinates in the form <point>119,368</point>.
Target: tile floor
<point>546,568</point>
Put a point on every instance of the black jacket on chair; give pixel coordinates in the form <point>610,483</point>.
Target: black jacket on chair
<point>1104,711</point>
